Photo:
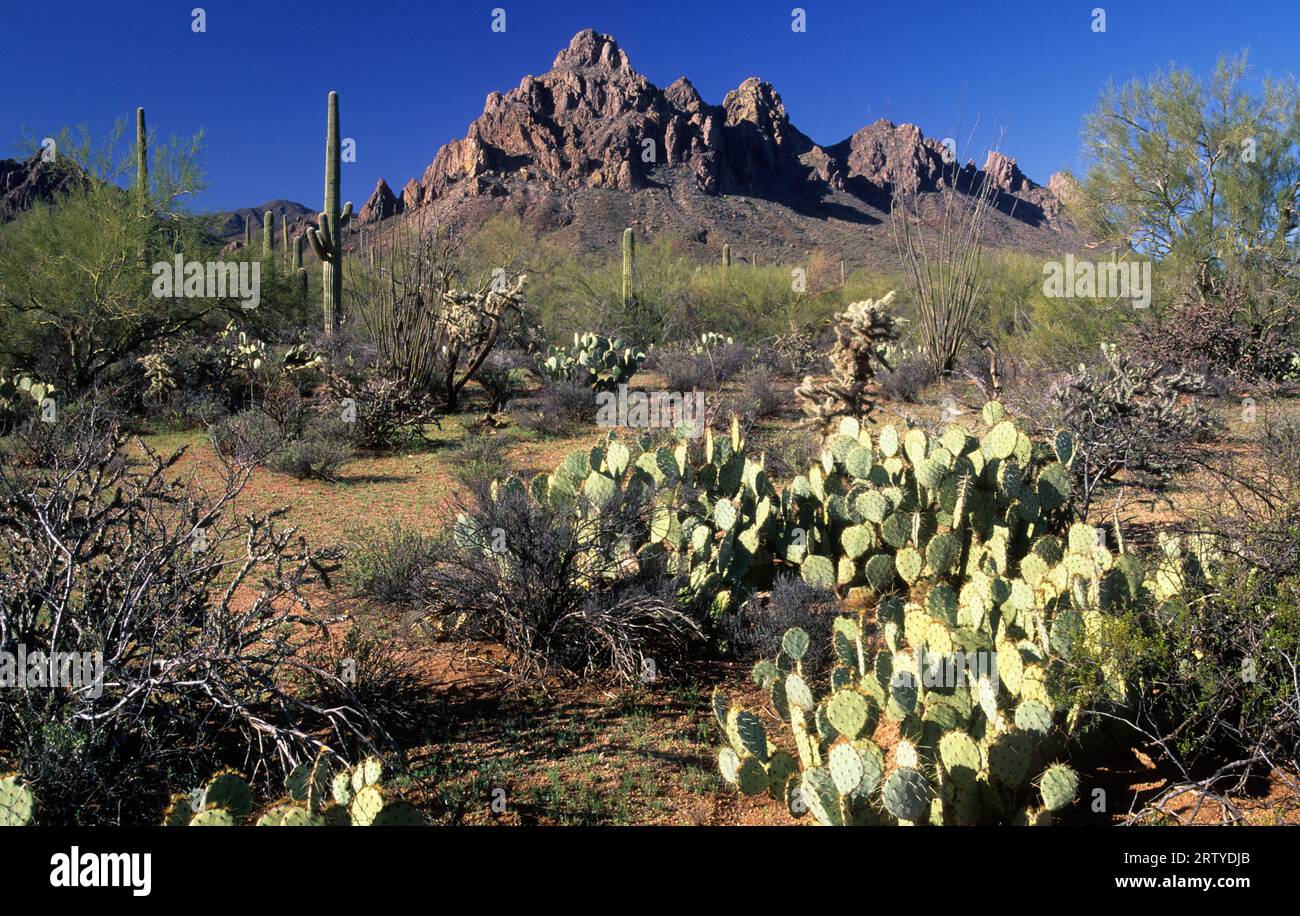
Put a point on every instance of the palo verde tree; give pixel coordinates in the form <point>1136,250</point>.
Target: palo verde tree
<point>1201,175</point>
<point>75,274</point>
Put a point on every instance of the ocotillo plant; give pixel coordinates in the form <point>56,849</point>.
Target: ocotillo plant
<point>726,255</point>
<point>629,264</point>
<point>326,240</point>
<point>141,154</point>
<point>268,234</point>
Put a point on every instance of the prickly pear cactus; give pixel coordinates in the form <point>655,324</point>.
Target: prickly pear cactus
<point>978,585</point>
<point>604,363</point>
<point>317,798</point>
<point>17,805</point>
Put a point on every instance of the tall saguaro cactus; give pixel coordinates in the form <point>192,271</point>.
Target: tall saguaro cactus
<point>141,155</point>
<point>629,264</point>
<point>284,236</point>
<point>268,235</point>
<point>726,255</point>
<point>248,231</point>
<point>326,240</point>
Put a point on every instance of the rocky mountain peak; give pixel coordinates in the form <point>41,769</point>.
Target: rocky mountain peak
<point>589,48</point>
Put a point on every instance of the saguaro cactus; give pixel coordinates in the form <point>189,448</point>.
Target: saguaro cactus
<point>284,236</point>
<point>629,264</point>
<point>297,253</point>
<point>248,231</point>
<point>141,154</point>
<point>268,234</point>
<point>326,239</point>
<point>726,255</point>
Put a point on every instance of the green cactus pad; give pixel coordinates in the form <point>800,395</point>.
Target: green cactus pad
<point>879,571</point>
<point>1058,785</point>
<point>1033,716</point>
<point>846,767</point>
<point>858,462</point>
<point>873,505</point>
<point>1000,441</point>
<point>17,803</point>
<point>942,553</point>
<point>818,571</point>
<point>817,790</point>
<point>213,817</point>
<point>341,787</point>
<point>368,772</point>
<point>1054,487</point>
<point>729,765</point>
<point>753,738</point>
<point>960,755</point>
<point>229,791</point>
<point>1063,445</point>
<point>1009,757</point>
<point>941,602</point>
<point>888,440</point>
<point>906,794</point>
<point>849,712</point>
<point>795,643</point>
<point>797,692</point>
<point>398,814</point>
<point>367,804</point>
<point>780,767</point>
<point>908,562</point>
<point>724,514</point>
<point>991,413</point>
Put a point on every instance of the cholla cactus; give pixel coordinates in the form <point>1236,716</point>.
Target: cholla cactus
<point>861,331</point>
<point>158,374</point>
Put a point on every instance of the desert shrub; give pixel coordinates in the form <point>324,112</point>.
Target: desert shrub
<point>199,620</point>
<point>1130,415</point>
<point>682,368</point>
<point>380,671</point>
<point>560,408</point>
<point>1230,336</point>
<point>762,396</point>
<point>389,563</point>
<point>246,439</point>
<point>480,459</point>
<point>318,452</point>
<point>555,585</point>
<point>789,451</point>
<point>382,411</point>
<point>906,381</point>
<point>502,376</point>
<point>755,631</point>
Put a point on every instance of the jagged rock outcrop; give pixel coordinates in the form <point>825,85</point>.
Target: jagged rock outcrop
<point>591,146</point>
<point>27,182</point>
<point>592,122</point>
<point>381,205</point>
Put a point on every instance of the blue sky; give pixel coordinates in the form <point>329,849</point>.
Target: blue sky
<point>413,74</point>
